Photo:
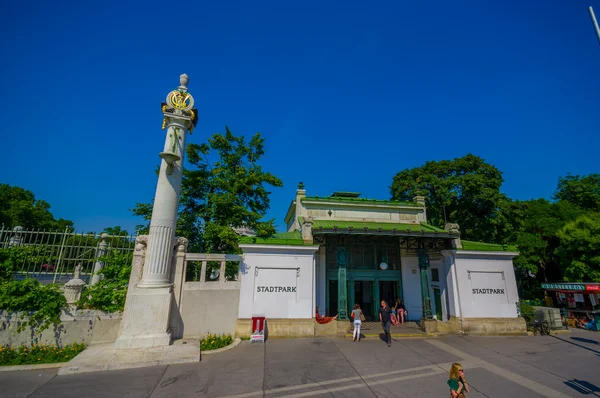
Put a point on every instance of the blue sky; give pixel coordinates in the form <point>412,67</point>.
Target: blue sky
<point>346,94</point>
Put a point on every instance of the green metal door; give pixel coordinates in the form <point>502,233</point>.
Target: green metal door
<point>438,303</point>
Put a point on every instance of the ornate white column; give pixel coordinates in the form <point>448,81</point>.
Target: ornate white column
<point>179,117</point>
<point>148,304</point>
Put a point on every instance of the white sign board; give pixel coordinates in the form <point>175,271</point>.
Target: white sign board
<point>257,338</point>
<point>488,288</point>
<point>275,291</point>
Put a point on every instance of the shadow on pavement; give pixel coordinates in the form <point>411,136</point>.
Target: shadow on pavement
<point>583,387</point>
<point>382,338</point>
<point>575,344</point>
<point>582,340</point>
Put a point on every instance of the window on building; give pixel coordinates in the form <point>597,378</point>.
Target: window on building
<point>364,252</point>
<point>435,275</point>
<point>393,258</point>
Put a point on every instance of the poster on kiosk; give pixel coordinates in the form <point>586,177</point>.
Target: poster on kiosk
<point>258,329</point>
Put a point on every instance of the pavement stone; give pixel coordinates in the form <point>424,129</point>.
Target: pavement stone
<point>560,366</point>
<point>231,372</point>
<point>25,382</point>
<point>131,383</point>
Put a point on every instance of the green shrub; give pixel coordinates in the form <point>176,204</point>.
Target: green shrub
<point>109,293</point>
<point>24,355</point>
<point>213,342</point>
<point>42,304</point>
<point>527,311</point>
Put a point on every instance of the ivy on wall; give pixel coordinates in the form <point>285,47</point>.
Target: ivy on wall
<point>108,295</point>
<point>40,305</point>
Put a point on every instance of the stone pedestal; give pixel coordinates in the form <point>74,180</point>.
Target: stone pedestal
<point>147,324</point>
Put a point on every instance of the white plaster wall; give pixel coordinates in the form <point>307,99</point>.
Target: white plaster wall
<point>411,285</point>
<point>206,311</point>
<point>487,270</point>
<point>278,266</point>
<point>356,213</point>
<point>451,293</point>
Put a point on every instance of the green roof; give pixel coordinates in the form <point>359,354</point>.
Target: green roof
<point>345,194</point>
<point>361,201</point>
<point>293,238</point>
<point>487,247</point>
<point>375,226</point>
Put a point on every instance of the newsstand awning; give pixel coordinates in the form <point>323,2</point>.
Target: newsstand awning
<point>572,287</point>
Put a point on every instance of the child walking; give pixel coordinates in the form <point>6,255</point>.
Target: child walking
<point>457,383</point>
<point>357,315</point>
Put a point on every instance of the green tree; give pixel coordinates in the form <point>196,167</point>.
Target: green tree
<point>115,231</point>
<point>464,190</point>
<point>540,220</point>
<point>226,188</point>
<point>582,191</point>
<point>19,206</point>
<point>579,249</point>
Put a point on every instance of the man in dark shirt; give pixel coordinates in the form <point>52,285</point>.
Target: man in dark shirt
<point>385,316</point>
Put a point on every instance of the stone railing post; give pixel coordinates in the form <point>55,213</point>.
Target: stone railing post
<point>100,251</point>
<point>178,270</point>
<point>307,236</point>
<point>454,229</point>
<point>72,289</point>
<point>178,267</point>
<point>15,240</point>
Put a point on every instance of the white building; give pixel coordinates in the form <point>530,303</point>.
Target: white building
<point>344,249</point>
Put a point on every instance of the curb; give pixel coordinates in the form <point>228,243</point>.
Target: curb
<point>32,367</point>
<point>553,332</point>
<point>227,348</point>
<point>396,336</point>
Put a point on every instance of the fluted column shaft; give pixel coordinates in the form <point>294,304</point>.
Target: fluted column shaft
<point>164,213</point>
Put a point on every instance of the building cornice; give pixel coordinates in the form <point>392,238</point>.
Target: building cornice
<point>473,253</point>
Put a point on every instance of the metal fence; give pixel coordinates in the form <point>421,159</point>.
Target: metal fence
<point>51,256</point>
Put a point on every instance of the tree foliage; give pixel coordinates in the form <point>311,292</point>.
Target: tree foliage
<point>225,188</point>
<point>19,206</point>
<point>557,239</point>
<point>579,249</point>
<point>464,190</point>
<point>582,191</point>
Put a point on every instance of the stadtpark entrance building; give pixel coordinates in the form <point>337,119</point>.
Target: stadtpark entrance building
<point>344,249</point>
<point>337,251</point>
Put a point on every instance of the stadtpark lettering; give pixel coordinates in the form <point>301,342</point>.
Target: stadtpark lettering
<point>488,291</point>
<point>276,289</point>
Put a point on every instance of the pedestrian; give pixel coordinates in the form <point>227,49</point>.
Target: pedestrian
<point>400,310</point>
<point>385,316</point>
<point>457,383</point>
<point>358,317</point>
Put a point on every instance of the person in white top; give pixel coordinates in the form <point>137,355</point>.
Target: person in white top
<point>357,315</point>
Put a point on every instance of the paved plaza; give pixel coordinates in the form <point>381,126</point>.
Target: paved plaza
<point>566,365</point>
